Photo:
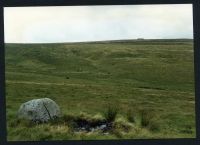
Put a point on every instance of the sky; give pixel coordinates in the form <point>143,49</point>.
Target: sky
<point>96,23</point>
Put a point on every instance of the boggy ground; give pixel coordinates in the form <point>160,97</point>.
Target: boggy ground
<point>153,76</point>
<point>108,125</point>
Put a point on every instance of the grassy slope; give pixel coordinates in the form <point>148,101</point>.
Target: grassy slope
<point>87,77</point>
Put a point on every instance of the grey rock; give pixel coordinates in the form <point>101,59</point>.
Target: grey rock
<point>39,110</point>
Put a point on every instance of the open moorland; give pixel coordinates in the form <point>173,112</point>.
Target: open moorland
<point>142,88</point>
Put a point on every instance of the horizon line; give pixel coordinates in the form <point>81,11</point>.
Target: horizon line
<point>111,40</point>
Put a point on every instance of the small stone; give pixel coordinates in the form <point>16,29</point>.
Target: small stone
<point>83,128</point>
<point>102,126</point>
<point>92,129</point>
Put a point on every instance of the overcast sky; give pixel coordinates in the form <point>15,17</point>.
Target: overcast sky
<point>94,23</point>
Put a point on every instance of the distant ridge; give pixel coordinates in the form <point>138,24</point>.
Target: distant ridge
<point>120,41</point>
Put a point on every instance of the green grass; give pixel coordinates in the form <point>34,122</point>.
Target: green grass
<point>88,77</point>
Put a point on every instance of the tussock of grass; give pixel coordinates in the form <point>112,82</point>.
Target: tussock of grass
<point>149,119</point>
<point>122,125</point>
<point>111,113</point>
<point>131,116</point>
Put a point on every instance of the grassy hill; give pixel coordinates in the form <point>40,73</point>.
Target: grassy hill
<point>155,76</point>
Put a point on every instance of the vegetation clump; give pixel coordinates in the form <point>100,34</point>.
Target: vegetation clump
<point>131,116</point>
<point>111,113</point>
<point>149,119</point>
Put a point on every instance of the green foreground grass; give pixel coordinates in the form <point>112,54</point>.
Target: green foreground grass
<point>150,82</point>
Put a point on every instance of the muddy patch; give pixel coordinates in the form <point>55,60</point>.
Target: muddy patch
<point>90,126</point>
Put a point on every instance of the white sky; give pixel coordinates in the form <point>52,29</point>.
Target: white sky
<point>94,23</point>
